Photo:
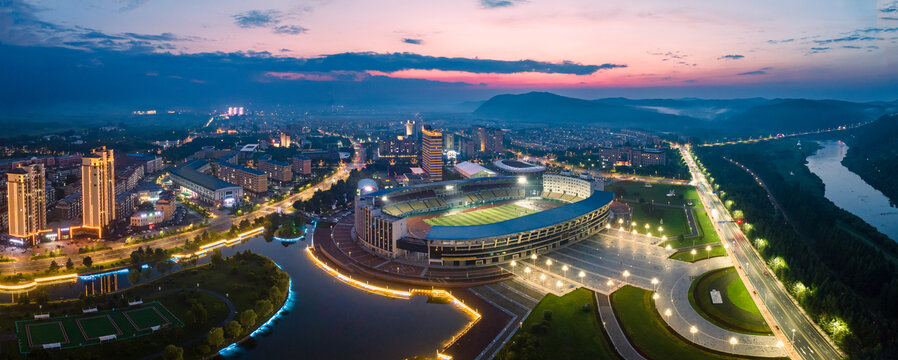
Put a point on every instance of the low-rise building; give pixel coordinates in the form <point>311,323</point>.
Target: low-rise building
<point>166,204</point>
<point>251,180</point>
<point>191,179</point>
<point>69,207</point>
<point>302,165</point>
<point>277,170</point>
<point>142,219</point>
<point>471,170</point>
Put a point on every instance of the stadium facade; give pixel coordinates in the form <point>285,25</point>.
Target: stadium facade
<point>382,219</point>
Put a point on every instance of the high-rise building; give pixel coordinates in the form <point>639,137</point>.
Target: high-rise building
<point>98,189</point>
<point>26,191</point>
<point>432,153</point>
<point>285,140</point>
<point>489,140</point>
<point>409,128</point>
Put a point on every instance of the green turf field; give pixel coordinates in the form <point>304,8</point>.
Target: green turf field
<point>708,234</point>
<point>571,334</point>
<point>635,190</point>
<point>483,216</point>
<point>73,331</point>
<point>737,312</point>
<point>672,220</point>
<point>648,332</point>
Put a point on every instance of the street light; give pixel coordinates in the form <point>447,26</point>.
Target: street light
<point>655,296</point>
<point>654,283</point>
<point>733,342</point>
<point>793,336</point>
<point>558,283</point>
<point>548,264</point>
<point>708,249</point>
<point>527,270</point>
<point>626,275</point>
<point>693,330</point>
<point>693,252</point>
<point>581,275</point>
<point>668,313</point>
<point>513,264</point>
<point>564,269</point>
<point>610,283</point>
<point>542,277</point>
<point>668,247</point>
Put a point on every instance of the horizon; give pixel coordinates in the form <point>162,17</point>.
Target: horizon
<point>158,53</point>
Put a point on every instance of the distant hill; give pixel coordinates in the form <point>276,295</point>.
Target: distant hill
<point>543,107</point>
<point>793,115</point>
<point>873,154</point>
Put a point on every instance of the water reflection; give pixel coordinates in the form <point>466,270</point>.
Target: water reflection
<point>850,192</point>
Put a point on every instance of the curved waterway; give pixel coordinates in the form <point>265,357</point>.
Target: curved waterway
<point>329,320</point>
<point>850,192</point>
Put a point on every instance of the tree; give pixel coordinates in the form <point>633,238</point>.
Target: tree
<point>233,329</point>
<point>172,352</point>
<point>134,276</point>
<point>199,313</point>
<point>216,337</point>
<point>263,307</point>
<point>216,258</point>
<point>69,265</point>
<point>248,318</point>
<point>87,261</point>
<point>54,266</point>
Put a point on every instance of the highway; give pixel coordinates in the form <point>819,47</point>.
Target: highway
<point>802,338</point>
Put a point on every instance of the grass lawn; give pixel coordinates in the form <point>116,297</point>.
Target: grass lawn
<point>649,333</point>
<point>483,216</point>
<point>673,220</point>
<point>708,234</point>
<point>571,334</point>
<point>700,254</point>
<point>635,190</point>
<point>737,312</point>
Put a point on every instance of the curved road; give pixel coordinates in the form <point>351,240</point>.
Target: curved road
<point>791,325</point>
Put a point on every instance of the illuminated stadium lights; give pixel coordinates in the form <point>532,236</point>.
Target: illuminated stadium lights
<point>439,293</point>
<point>522,180</point>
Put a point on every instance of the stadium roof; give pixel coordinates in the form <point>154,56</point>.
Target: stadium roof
<point>430,185</point>
<point>469,170</point>
<point>188,171</point>
<point>524,223</point>
<point>517,166</point>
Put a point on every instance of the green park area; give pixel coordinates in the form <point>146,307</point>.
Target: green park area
<point>191,307</point>
<point>672,220</point>
<point>566,327</point>
<point>705,228</point>
<point>656,192</point>
<point>736,310</point>
<point>700,254</point>
<point>648,332</point>
<point>482,216</point>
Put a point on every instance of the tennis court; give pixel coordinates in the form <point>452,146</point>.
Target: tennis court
<point>73,331</point>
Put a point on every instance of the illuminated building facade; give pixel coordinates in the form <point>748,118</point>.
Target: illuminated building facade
<point>98,188</point>
<point>27,200</point>
<point>432,153</point>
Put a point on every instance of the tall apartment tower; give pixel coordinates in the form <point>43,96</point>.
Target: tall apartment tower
<point>432,153</point>
<point>285,140</point>
<point>27,200</point>
<point>98,188</point>
<point>409,128</point>
<point>489,140</point>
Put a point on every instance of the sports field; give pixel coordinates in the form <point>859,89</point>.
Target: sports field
<point>482,216</point>
<point>737,312</point>
<point>72,331</point>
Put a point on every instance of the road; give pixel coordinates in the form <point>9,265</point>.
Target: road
<point>220,223</point>
<point>791,325</point>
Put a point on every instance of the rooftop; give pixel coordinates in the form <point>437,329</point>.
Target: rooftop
<point>188,172</point>
<point>524,223</point>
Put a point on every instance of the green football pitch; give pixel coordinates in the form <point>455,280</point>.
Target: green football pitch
<point>482,216</point>
<point>72,331</point>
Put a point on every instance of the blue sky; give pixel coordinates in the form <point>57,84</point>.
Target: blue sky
<point>201,53</point>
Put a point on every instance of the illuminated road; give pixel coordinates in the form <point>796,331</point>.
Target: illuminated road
<point>221,223</point>
<point>779,309</point>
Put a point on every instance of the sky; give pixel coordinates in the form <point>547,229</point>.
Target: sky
<point>205,52</point>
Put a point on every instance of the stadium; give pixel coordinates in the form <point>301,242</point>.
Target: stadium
<point>479,222</point>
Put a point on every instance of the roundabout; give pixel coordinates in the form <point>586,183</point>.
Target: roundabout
<point>720,297</point>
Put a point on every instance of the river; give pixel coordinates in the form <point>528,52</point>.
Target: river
<point>330,320</point>
<point>850,192</point>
